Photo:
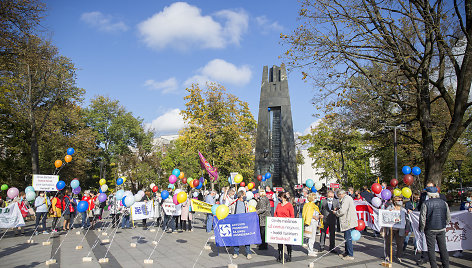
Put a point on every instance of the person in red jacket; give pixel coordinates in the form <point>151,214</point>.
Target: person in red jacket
<point>272,196</point>
<point>284,209</point>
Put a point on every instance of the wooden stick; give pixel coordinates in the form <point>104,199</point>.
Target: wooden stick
<point>391,244</point>
<point>283,254</point>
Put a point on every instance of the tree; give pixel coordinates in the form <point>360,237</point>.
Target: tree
<point>423,50</point>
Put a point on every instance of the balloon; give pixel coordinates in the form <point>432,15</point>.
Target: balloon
<point>213,209</point>
<point>360,225</point>
<point>199,186</point>
<point>182,175</point>
<point>151,185</point>
<point>74,183</point>
<point>355,235</point>
<point>119,181</point>
<point>376,202</point>
<point>195,183</point>
<point>318,185</point>
<point>68,158</point>
<point>222,212</point>
<point>102,197</point>
<point>202,180</point>
<point>242,184</point>
<point>76,190</point>
<point>137,197</point>
<point>12,192</point>
<point>176,172</point>
<point>128,193</point>
<point>397,192</point>
<point>406,192</point>
<point>124,179</point>
<point>386,194</point>
<point>406,170</point>
<point>408,179</point>
<point>264,178</point>
<point>376,188</point>
<point>29,189</point>
<point>164,194</point>
<point>189,181</point>
<point>238,178</point>
<point>102,181</point>
<point>313,189</point>
<point>181,197</point>
<point>172,179</point>
<point>416,171</point>
<point>70,151</point>
<point>60,185</point>
<point>58,163</point>
<point>267,175</point>
<point>250,185</point>
<point>252,202</point>
<point>119,194</point>
<point>155,189</point>
<point>393,182</point>
<point>104,188</point>
<point>129,201</point>
<point>251,209</point>
<point>82,206</point>
<point>141,193</point>
<point>184,180</point>
<point>249,195</point>
<point>259,177</point>
<point>174,198</point>
<point>171,186</point>
<point>4,187</point>
<point>309,183</point>
<point>30,196</point>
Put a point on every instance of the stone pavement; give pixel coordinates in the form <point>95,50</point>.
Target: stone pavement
<point>177,250</point>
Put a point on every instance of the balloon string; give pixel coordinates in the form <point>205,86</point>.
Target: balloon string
<point>5,233</point>
<point>163,231</point>
<point>111,242</point>
<point>98,238</point>
<point>36,228</point>
<point>231,260</point>
<point>73,222</point>
<point>330,251</point>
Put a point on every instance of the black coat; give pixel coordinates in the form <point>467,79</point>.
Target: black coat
<point>423,199</point>
<point>328,216</point>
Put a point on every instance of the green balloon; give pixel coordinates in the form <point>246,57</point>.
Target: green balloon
<point>4,187</point>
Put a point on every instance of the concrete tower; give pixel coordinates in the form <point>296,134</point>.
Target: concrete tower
<point>275,144</point>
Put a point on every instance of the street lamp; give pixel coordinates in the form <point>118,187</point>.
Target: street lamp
<point>459,165</point>
<point>402,127</point>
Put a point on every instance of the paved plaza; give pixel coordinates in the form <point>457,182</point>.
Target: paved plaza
<point>182,249</point>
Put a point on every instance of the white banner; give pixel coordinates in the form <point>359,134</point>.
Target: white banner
<point>458,231</point>
<point>169,208</point>
<point>368,213</point>
<point>142,210</point>
<point>11,217</point>
<point>45,182</point>
<point>284,230</point>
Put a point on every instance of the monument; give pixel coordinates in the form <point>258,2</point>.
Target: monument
<point>275,144</point>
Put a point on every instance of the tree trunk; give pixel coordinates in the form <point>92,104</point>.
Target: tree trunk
<point>34,149</point>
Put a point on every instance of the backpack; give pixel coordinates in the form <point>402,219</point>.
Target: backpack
<point>58,203</point>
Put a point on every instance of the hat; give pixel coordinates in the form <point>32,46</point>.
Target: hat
<point>431,189</point>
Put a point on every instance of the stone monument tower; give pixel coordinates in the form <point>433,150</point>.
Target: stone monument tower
<point>275,144</point>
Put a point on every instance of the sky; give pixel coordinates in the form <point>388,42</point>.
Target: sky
<point>145,53</point>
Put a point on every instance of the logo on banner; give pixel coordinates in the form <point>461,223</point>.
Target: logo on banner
<point>225,230</point>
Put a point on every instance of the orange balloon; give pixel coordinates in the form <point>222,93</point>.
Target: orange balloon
<point>68,158</point>
<point>58,163</point>
<point>182,175</point>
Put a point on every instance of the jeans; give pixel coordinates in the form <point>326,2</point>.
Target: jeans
<point>348,244</point>
<point>209,223</point>
<point>440,237</point>
<point>85,220</point>
<point>247,247</point>
<point>125,222</point>
<point>41,216</point>
<point>167,222</point>
<point>407,238</point>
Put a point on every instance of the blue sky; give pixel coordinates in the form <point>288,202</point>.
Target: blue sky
<point>145,53</point>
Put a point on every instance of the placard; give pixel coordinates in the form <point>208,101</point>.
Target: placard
<point>334,185</point>
<point>142,210</point>
<point>279,189</point>
<point>200,206</point>
<point>298,186</point>
<point>284,230</point>
<point>169,208</point>
<point>45,182</point>
<point>391,218</point>
<point>232,175</point>
<point>237,230</point>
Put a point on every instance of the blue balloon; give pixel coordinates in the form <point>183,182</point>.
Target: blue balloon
<point>213,209</point>
<point>119,194</point>
<point>416,171</point>
<point>70,151</point>
<point>309,183</point>
<point>171,186</point>
<point>119,181</point>
<point>82,206</point>
<point>176,172</point>
<point>29,189</point>
<point>164,194</point>
<point>74,184</point>
<point>267,175</point>
<point>100,190</point>
<point>406,170</point>
<point>229,180</point>
<point>123,200</point>
<point>313,189</point>
<point>59,185</point>
<point>355,235</point>
<point>200,185</point>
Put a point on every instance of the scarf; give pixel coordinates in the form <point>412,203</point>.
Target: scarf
<point>307,213</point>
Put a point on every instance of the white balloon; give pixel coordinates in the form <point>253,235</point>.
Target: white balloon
<point>137,197</point>
<point>252,202</point>
<point>318,185</point>
<point>129,201</point>
<point>30,196</point>
<point>104,188</point>
<point>128,193</point>
<point>152,185</point>
<point>141,193</point>
<point>249,195</point>
<point>376,202</point>
<point>179,190</point>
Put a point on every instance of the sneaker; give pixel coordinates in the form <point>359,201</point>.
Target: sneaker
<point>312,254</point>
<point>235,256</point>
<point>457,254</point>
<point>342,255</point>
<point>249,256</point>
<point>45,232</point>
<point>348,258</point>
<point>305,245</point>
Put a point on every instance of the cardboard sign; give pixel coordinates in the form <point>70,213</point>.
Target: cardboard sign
<point>169,208</point>
<point>334,185</point>
<point>45,182</point>
<point>232,175</point>
<point>284,230</point>
<point>391,218</point>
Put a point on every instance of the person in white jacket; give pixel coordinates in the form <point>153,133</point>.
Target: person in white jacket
<point>41,203</point>
<point>348,220</point>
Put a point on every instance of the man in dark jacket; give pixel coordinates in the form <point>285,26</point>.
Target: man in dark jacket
<point>366,194</point>
<point>263,210</point>
<point>327,209</point>
<point>434,217</point>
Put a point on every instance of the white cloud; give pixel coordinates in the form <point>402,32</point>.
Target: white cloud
<point>267,25</point>
<point>103,22</point>
<point>168,123</point>
<point>181,26</point>
<point>312,125</point>
<point>168,86</point>
<point>221,71</point>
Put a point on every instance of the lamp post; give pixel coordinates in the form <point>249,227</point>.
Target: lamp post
<point>401,127</point>
<point>459,165</point>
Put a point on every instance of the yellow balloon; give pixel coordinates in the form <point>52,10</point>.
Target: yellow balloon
<point>250,185</point>
<point>222,212</point>
<point>238,178</point>
<point>102,181</point>
<point>182,175</point>
<point>251,209</point>
<point>124,179</point>
<point>406,192</point>
<point>181,197</point>
<point>397,192</point>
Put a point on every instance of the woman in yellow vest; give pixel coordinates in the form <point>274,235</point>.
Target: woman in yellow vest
<point>311,218</point>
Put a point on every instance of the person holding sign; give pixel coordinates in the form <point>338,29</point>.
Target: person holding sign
<point>311,217</point>
<point>284,209</point>
<point>41,204</point>
<point>347,220</point>
<point>398,231</point>
<point>240,208</point>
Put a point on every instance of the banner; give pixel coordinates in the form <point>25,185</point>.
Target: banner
<point>458,231</point>
<point>169,208</point>
<point>45,182</point>
<point>284,230</point>
<point>142,210</point>
<point>368,214</point>
<point>10,216</point>
<point>237,230</point>
<point>200,206</point>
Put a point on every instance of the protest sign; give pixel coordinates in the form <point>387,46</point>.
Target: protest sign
<point>334,185</point>
<point>169,208</point>
<point>237,230</point>
<point>142,210</point>
<point>392,218</point>
<point>200,206</point>
<point>232,175</point>
<point>11,217</point>
<point>458,231</point>
<point>284,230</point>
<point>45,182</point>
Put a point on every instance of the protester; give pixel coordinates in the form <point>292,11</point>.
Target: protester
<point>466,204</point>
<point>328,208</point>
<point>348,220</point>
<point>85,219</point>
<point>69,206</point>
<point>228,198</point>
<point>210,199</point>
<point>113,207</point>
<point>22,205</point>
<point>398,232</point>
<point>158,209</point>
<point>284,209</point>
<point>366,194</point>
<point>91,209</point>
<point>147,198</point>
<point>56,208</point>
<point>410,206</point>
<point>186,216</point>
<point>270,194</point>
<point>351,192</point>
<point>168,225</point>
<point>125,211</point>
<point>263,210</point>
<point>41,204</point>
<point>176,216</point>
<point>311,218</point>
<point>240,208</point>
<point>434,217</point>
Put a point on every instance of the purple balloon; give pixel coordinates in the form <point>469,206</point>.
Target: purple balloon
<point>102,197</point>
<point>172,179</point>
<point>386,194</point>
<point>76,190</point>
<point>202,180</point>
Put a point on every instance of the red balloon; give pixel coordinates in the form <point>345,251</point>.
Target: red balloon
<point>360,225</point>
<point>242,184</point>
<point>195,183</point>
<point>259,177</point>
<point>408,179</point>
<point>155,189</point>
<point>376,188</point>
<point>394,182</point>
<point>184,180</point>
